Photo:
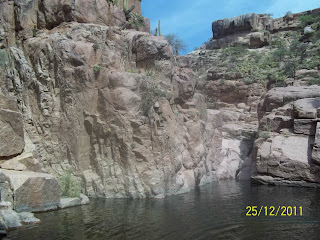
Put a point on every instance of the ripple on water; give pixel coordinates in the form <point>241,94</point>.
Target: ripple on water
<point>215,211</point>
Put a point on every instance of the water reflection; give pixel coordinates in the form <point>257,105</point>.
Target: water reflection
<point>215,211</point>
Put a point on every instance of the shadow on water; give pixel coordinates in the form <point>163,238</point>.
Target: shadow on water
<point>214,211</point>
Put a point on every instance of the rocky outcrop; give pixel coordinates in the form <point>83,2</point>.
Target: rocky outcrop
<point>10,219</point>
<point>111,105</point>
<point>287,152</point>
<point>69,202</point>
<point>115,108</point>
<point>251,30</point>
<point>243,23</point>
<point>11,128</point>
<point>30,191</point>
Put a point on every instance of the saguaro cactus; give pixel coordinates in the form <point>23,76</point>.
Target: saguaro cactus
<point>159,28</point>
<point>125,5</point>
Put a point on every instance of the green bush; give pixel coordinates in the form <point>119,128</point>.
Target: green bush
<point>150,72</point>
<point>69,186</point>
<point>136,20</point>
<point>3,58</point>
<point>96,69</point>
<point>150,94</point>
<point>176,43</point>
<point>237,51</point>
<point>254,30</point>
<point>116,2</point>
<point>309,19</point>
<point>95,46</point>
<point>314,81</point>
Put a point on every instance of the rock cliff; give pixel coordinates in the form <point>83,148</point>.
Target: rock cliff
<point>82,91</point>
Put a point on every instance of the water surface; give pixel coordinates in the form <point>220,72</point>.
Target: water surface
<point>215,211</point>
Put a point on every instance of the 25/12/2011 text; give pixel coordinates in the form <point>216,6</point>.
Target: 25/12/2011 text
<point>272,211</point>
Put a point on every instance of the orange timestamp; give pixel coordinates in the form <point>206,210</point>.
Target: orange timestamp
<point>272,211</point>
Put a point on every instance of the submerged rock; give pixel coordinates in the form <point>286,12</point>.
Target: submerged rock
<point>84,199</point>
<point>69,202</point>
<point>28,218</point>
<point>11,218</point>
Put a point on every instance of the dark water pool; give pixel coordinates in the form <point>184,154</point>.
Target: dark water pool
<point>215,211</point>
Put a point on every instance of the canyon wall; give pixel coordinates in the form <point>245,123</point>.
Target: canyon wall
<point>82,92</point>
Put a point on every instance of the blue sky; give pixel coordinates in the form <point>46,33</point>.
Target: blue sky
<point>191,19</point>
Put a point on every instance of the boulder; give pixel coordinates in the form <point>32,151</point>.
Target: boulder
<point>11,218</point>
<point>229,26</point>
<point>69,202</point>
<point>306,108</point>
<point>305,126</point>
<point>308,30</point>
<point>304,73</point>
<point>275,123</point>
<point>184,81</point>
<point>28,218</point>
<point>5,205</point>
<point>286,158</point>
<point>84,199</point>
<point>259,39</point>
<point>11,133</point>
<point>280,96</point>
<point>23,162</point>
<point>32,191</point>
<point>148,48</point>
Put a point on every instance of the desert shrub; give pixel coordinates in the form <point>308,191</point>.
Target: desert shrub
<point>277,76</point>
<point>268,14</point>
<point>176,43</point>
<point>96,69</point>
<point>136,20</point>
<point>95,46</point>
<point>150,72</point>
<point>116,2</point>
<point>309,19</point>
<point>150,93</point>
<point>264,134</point>
<point>314,81</point>
<point>237,51</point>
<point>3,58</point>
<point>70,187</point>
<point>315,36</point>
<point>266,32</point>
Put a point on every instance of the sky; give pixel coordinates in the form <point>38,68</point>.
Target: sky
<point>191,19</point>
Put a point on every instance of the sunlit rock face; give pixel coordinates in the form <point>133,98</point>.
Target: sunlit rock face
<point>81,92</point>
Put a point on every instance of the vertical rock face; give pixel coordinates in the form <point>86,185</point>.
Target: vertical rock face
<point>243,23</point>
<point>110,104</point>
<point>79,92</point>
<point>251,30</point>
<point>289,154</point>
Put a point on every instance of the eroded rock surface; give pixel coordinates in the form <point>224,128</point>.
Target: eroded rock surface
<point>114,106</point>
<point>31,191</point>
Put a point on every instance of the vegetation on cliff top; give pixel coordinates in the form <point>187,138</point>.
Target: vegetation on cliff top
<point>276,63</point>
